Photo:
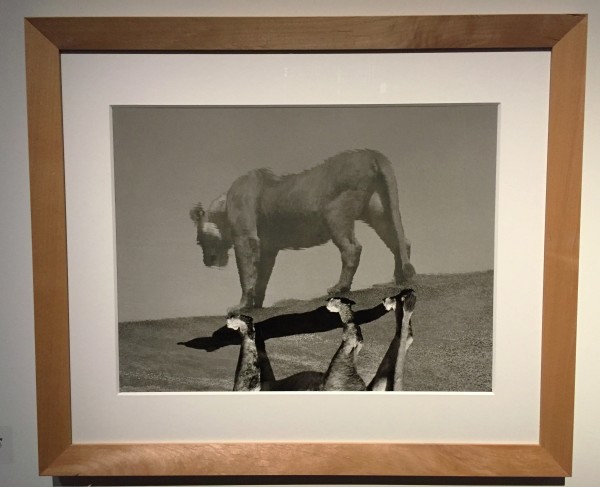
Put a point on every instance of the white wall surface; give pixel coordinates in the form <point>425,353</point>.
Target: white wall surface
<point>18,455</point>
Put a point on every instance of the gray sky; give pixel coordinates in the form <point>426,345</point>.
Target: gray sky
<point>166,159</point>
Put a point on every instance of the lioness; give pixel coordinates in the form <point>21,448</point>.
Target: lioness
<point>262,214</point>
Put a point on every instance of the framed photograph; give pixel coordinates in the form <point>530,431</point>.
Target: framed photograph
<point>212,244</point>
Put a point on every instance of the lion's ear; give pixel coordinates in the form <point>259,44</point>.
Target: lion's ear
<point>197,213</point>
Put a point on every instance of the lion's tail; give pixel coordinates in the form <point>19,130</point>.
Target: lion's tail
<point>391,186</point>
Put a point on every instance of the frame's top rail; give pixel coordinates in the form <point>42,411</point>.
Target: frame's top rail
<point>305,33</point>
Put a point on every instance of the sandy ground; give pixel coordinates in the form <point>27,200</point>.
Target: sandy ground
<point>452,350</point>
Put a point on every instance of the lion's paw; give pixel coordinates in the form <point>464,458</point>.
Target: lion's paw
<point>407,274</point>
<point>338,289</point>
<point>238,308</point>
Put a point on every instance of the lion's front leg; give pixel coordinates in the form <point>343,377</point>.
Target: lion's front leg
<point>247,256</point>
<point>265,269</point>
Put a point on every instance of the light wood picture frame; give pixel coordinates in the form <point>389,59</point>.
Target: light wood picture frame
<point>563,35</point>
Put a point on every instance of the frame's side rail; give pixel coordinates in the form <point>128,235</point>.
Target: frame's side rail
<point>306,33</point>
<point>561,257</point>
<point>46,167</point>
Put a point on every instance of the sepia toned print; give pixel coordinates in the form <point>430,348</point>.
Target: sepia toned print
<point>283,200</point>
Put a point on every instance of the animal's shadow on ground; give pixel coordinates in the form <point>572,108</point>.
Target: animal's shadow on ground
<point>316,321</point>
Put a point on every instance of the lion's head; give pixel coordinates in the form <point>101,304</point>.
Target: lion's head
<point>212,234</point>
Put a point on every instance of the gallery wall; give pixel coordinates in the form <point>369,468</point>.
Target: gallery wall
<point>18,451</point>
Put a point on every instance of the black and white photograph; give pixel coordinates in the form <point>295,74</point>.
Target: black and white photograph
<point>305,248</point>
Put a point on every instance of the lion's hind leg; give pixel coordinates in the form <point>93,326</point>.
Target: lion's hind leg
<point>379,219</point>
<point>340,215</point>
